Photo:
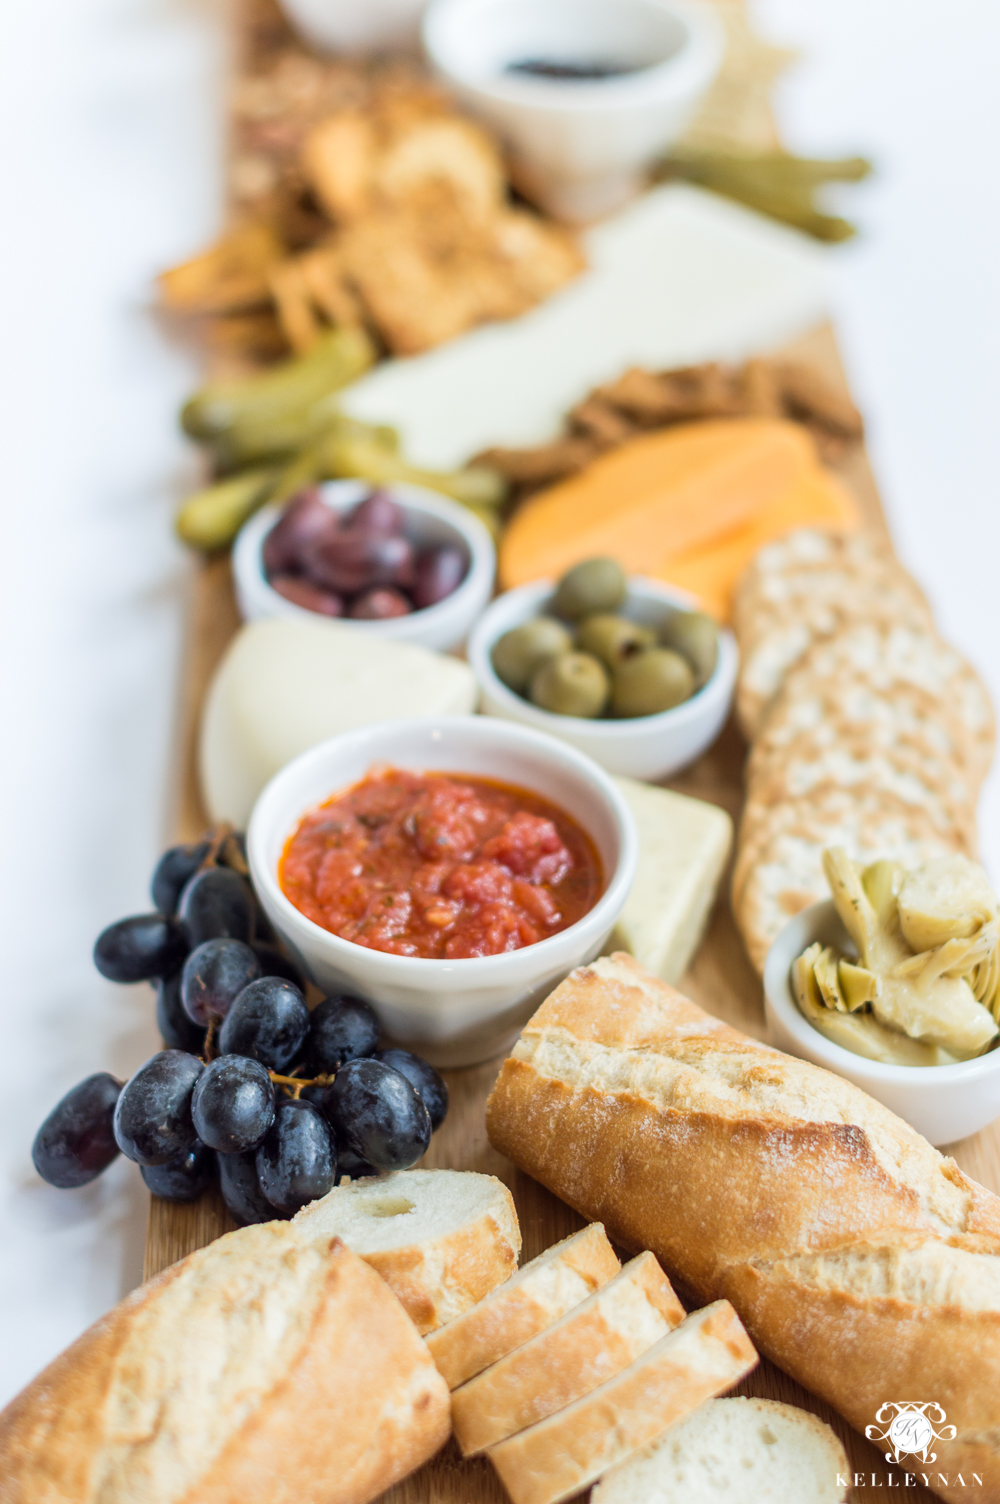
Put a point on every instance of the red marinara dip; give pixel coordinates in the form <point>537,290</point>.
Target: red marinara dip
<point>440,865</point>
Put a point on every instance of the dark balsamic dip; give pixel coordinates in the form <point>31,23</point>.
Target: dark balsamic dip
<point>536,67</point>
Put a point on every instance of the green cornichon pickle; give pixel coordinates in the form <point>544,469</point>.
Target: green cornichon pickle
<point>211,518</point>
<point>350,450</point>
<point>294,386</point>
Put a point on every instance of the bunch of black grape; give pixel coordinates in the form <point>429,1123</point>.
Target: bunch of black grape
<point>278,1101</point>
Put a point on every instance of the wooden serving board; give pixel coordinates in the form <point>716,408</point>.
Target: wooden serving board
<point>721,980</point>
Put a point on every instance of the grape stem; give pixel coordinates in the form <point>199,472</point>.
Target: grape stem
<point>295,1084</point>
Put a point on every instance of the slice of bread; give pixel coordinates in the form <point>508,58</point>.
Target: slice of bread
<point>441,1239</point>
<point>745,1448</point>
<point>560,1456</point>
<point>591,1343</point>
<point>531,1300</point>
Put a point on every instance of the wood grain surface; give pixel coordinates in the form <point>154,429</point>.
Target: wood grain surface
<point>720,979</point>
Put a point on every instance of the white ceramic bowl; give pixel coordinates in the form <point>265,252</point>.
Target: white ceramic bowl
<point>431,520</point>
<point>452,1012</point>
<point>578,147</point>
<point>357,26</point>
<point>943,1102</point>
<point>648,746</point>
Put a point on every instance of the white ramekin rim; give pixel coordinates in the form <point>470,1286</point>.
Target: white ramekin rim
<point>248,562</point>
<point>529,598</point>
<point>817,919</point>
<point>477,970</point>
<point>687,71</point>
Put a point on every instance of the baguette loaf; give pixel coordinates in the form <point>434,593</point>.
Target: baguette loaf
<point>531,1300</point>
<point>860,1259</point>
<point>556,1458</point>
<point>754,1449</point>
<point>590,1344</point>
<point>441,1239</point>
<point>259,1368</point>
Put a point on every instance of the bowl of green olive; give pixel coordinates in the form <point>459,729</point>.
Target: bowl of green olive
<point>625,669</point>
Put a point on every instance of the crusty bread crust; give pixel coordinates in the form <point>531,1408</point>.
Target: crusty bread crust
<point>437,1278</point>
<point>358,1406</point>
<point>527,1304</point>
<point>558,1457</point>
<point>591,1343</point>
<point>850,1247</point>
<point>438,1281</point>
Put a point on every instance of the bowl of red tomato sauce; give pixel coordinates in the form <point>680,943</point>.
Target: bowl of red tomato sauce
<point>450,870</point>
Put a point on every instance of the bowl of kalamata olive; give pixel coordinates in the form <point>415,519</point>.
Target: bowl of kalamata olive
<point>398,561</point>
<point>626,669</point>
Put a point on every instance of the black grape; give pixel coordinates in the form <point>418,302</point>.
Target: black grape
<point>153,1116</point>
<point>214,975</point>
<point>233,1104</point>
<point>136,949</point>
<point>77,1141</point>
<point>184,1178</point>
<point>274,963</point>
<point>297,1162</point>
<point>216,904</point>
<point>340,1029</point>
<point>349,1165</point>
<point>268,1021</point>
<point>424,1079</point>
<point>177,1030</point>
<point>241,1190</point>
<point>175,868</point>
<point>376,1112</point>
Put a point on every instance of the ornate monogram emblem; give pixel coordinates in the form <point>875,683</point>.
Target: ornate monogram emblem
<point>909,1429</point>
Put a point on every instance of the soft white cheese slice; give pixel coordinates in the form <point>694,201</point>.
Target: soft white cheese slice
<point>683,847</point>
<point>284,686</point>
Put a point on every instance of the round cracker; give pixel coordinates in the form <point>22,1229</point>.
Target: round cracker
<point>788,874</point>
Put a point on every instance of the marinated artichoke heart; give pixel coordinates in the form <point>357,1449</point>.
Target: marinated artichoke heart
<point>924,988</point>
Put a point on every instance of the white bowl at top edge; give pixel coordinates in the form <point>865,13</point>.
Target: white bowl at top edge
<point>451,1012</point>
<point>578,147</point>
<point>943,1102</point>
<point>431,520</point>
<point>357,27</point>
<point>647,746</point>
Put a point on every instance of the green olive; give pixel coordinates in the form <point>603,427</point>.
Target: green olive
<point>519,652</point>
<point>594,585</point>
<point>612,638</point>
<point>696,637</point>
<point>574,684</point>
<point>650,682</point>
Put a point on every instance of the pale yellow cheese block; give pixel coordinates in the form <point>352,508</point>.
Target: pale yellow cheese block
<point>683,848</point>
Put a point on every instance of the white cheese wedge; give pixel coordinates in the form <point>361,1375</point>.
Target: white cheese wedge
<point>683,847</point>
<point>284,686</point>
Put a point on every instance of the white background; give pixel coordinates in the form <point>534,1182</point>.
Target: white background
<point>111,168</point>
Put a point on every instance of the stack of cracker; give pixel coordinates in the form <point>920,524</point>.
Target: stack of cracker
<point>866,730</point>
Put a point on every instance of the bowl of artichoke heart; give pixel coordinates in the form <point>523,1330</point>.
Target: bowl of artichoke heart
<point>623,668</point>
<point>894,982</point>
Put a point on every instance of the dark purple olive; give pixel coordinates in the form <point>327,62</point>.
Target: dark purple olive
<point>309,597</point>
<point>353,561</point>
<point>380,604</point>
<point>437,572</point>
<point>304,518</point>
<point>378,513</point>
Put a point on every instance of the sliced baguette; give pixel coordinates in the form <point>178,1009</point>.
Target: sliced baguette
<point>531,1300</point>
<point>746,1448</point>
<point>591,1343</point>
<point>258,1368</point>
<point>560,1456</point>
<point>441,1239</point>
